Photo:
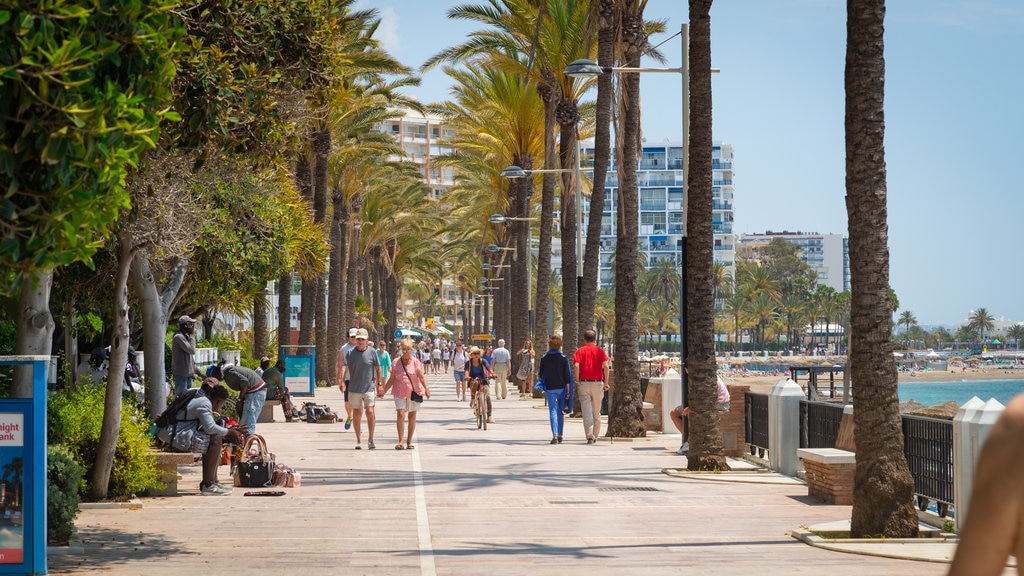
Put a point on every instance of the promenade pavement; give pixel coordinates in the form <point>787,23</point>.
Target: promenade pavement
<point>468,501</point>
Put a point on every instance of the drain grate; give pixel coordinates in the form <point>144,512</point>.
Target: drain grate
<point>628,489</point>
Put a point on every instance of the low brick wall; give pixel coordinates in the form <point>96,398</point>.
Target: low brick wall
<point>829,473</point>
<point>733,422</point>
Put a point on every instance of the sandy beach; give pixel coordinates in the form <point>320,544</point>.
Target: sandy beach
<point>764,383</point>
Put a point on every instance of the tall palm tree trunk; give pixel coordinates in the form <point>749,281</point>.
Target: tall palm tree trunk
<point>259,325</point>
<point>321,142</point>
<point>706,449</point>
<point>547,219</point>
<point>568,115</point>
<point>883,487</point>
<point>307,307</point>
<point>625,417</point>
<point>520,287</point>
<point>602,155</point>
<point>284,310</point>
<point>336,286</point>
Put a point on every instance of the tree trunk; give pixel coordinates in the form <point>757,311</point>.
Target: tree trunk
<point>602,155</point>
<point>568,116</point>
<point>353,263</point>
<point>155,306</point>
<point>110,429</point>
<point>625,416</point>
<point>883,487</point>
<point>547,219</point>
<point>706,449</point>
<point>284,312</point>
<point>336,286</point>
<point>307,305</point>
<point>259,325</point>
<point>35,327</point>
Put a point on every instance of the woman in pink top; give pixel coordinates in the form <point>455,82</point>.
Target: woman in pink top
<point>407,377</point>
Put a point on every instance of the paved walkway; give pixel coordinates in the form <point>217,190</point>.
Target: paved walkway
<point>467,501</point>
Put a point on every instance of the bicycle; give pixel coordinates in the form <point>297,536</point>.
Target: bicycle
<point>478,390</point>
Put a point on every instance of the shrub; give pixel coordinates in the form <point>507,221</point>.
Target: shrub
<point>76,419</point>
<point>64,476</point>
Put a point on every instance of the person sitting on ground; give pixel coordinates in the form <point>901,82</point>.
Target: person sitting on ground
<point>991,531</point>
<point>197,431</point>
<point>681,412</point>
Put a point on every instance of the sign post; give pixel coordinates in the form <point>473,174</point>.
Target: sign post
<point>300,370</point>
<point>23,462</point>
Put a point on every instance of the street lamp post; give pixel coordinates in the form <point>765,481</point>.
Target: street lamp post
<point>587,68</point>
<point>501,219</point>
<point>513,172</point>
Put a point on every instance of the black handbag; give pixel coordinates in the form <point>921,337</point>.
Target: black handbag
<point>416,397</point>
<point>257,465</point>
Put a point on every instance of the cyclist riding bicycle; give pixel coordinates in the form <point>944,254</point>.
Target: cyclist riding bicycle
<point>477,373</point>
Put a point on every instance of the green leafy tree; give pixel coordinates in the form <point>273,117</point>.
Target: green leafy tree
<point>85,89</point>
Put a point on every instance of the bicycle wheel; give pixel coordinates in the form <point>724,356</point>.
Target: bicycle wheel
<point>481,420</point>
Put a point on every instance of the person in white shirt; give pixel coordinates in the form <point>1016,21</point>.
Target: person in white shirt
<point>459,359</point>
<point>501,360</point>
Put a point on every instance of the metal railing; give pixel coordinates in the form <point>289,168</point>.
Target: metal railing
<point>819,424</point>
<point>927,443</point>
<point>756,418</point>
<point>928,446</point>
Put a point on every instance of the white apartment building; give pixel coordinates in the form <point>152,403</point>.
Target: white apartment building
<point>660,179</point>
<point>827,254</point>
<point>419,135</point>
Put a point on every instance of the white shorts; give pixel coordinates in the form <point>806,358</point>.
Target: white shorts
<point>407,404</point>
<point>358,401</point>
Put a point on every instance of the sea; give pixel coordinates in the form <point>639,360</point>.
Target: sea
<point>931,393</point>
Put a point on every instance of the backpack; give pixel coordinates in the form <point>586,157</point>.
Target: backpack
<point>170,415</point>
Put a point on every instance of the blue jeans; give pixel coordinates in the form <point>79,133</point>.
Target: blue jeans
<point>181,383</point>
<point>556,402</point>
<point>252,405</point>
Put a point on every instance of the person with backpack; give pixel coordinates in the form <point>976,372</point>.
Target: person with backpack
<point>188,425</point>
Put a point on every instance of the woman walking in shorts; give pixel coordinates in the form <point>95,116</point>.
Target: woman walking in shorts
<point>459,359</point>
<point>407,382</point>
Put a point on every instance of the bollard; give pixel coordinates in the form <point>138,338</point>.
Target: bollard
<point>671,396</point>
<point>970,427</point>
<point>784,426</point>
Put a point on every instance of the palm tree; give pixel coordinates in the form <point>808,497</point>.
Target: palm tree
<point>907,319</point>
<point>1017,333</point>
<point>883,487</point>
<point>735,307</point>
<point>625,417</point>
<point>980,321</point>
<point>706,448</point>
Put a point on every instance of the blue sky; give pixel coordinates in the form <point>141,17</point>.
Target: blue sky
<point>954,123</point>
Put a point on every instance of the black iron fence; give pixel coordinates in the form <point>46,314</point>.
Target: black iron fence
<point>819,424</point>
<point>928,446</point>
<point>927,443</point>
<point>756,428</point>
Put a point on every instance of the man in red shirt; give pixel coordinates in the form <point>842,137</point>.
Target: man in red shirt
<point>591,366</point>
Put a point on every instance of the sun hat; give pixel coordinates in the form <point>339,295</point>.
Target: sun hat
<point>362,333</point>
<point>352,332</point>
<point>475,350</point>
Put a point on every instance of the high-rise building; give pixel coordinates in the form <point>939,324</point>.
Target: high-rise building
<point>660,179</point>
<point>827,254</point>
<point>419,135</point>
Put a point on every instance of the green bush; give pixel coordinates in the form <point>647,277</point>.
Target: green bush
<point>76,419</point>
<point>64,476</point>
